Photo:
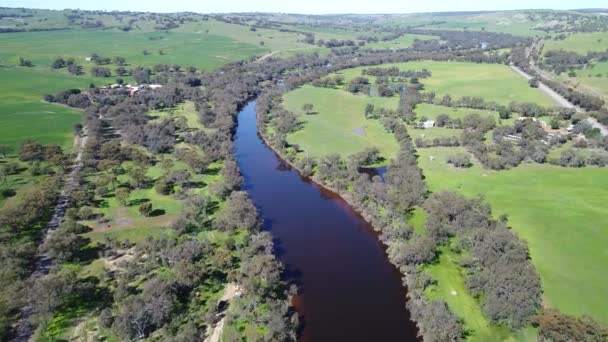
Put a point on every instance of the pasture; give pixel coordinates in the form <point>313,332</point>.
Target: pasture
<point>493,82</point>
<point>339,124</point>
<point>580,43</point>
<point>588,80</point>
<point>25,116</point>
<point>206,51</point>
<point>558,211</point>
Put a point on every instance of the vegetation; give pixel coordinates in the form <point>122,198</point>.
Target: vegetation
<point>152,236</point>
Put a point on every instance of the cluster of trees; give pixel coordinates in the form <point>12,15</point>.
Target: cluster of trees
<point>561,61</point>
<point>395,72</point>
<point>329,82</point>
<point>22,228</point>
<point>583,100</point>
<point>556,326</point>
<point>334,43</point>
<point>70,63</point>
<point>359,85</point>
<point>437,142</point>
<point>499,270</point>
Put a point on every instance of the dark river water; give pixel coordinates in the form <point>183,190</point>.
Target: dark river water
<point>348,289</point>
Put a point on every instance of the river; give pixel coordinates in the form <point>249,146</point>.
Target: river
<point>348,290</point>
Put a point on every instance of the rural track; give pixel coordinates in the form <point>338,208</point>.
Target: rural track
<point>562,101</point>
<point>24,329</point>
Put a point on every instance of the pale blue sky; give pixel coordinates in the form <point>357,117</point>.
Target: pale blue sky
<point>305,6</point>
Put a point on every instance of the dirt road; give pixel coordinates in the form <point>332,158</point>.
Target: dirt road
<point>24,330</point>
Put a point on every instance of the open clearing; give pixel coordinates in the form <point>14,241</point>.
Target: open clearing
<point>25,116</point>
<point>206,51</point>
<point>402,42</point>
<point>493,82</point>
<point>338,122</point>
<point>580,43</point>
<point>558,211</point>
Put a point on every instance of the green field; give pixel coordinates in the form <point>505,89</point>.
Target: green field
<point>493,82</point>
<point>587,80</point>
<point>402,42</point>
<point>514,22</point>
<point>25,116</point>
<point>333,129</point>
<point>560,212</point>
<point>580,43</point>
<point>431,111</point>
<point>206,51</point>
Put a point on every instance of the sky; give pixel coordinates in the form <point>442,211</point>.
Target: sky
<point>305,6</point>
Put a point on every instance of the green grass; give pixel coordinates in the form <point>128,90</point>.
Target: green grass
<point>580,43</point>
<point>451,288</point>
<point>25,116</point>
<point>185,110</point>
<point>493,82</point>
<point>339,114</point>
<point>131,234</point>
<point>402,42</point>
<point>514,22</point>
<point>431,111</point>
<point>586,79</point>
<point>206,51</point>
<point>560,212</point>
<point>274,40</point>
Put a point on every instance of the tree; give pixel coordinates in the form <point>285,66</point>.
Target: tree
<point>101,72</point>
<point>533,82</point>
<point>75,69</point>
<point>25,62</point>
<point>138,176</point>
<point>145,209</point>
<point>504,112</point>
<point>5,150</point>
<point>460,160</point>
<point>307,108</point>
<point>238,213</point>
<point>58,63</point>
<point>558,327</point>
<point>120,61</point>
<point>122,195</point>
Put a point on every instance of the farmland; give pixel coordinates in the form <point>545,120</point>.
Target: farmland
<point>206,51</point>
<point>339,124</point>
<point>555,210</point>
<point>580,43</point>
<point>492,82</point>
<point>402,42</point>
<point>173,169</point>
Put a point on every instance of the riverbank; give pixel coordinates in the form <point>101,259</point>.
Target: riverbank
<point>347,198</point>
<point>347,288</point>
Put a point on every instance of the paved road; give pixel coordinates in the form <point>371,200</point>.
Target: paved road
<point>562,101</point>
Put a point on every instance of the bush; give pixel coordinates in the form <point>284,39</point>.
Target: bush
<point>145,209</point>
<point>85,213</point>
<point>460,160</point>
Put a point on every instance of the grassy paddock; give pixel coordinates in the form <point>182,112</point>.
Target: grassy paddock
<point>580,43</point>
<point>338,116</point>
<point>493,82</point>
<point>560,212</point>
<point>25,116</point>
<point>206,51</point>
